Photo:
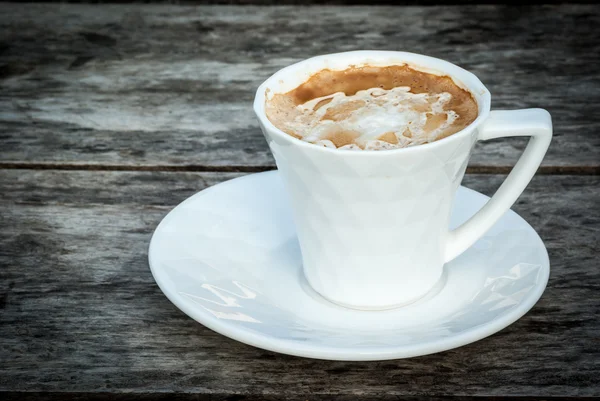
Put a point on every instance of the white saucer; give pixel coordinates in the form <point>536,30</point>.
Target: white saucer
<point>228,257</point>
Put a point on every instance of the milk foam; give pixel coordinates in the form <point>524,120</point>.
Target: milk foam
<point>369,115</point>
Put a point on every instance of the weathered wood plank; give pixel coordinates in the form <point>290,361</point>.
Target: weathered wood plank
<point>137,85</point>
<point>80,313</point>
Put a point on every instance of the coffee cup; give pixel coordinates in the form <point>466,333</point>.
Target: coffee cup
<point>373,226</point>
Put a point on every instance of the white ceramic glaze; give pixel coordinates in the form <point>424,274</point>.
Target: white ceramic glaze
<point>229,258</point>
<point>373,226</point>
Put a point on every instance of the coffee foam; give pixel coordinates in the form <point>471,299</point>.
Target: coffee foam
<point>406,108</point>
<point>376,118</point>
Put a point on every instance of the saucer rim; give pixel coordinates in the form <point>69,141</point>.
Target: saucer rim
<point>318,351</point>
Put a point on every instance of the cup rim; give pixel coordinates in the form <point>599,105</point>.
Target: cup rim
<point>459,75</point>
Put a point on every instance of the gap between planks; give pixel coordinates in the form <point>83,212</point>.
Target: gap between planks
<point>546,170</point>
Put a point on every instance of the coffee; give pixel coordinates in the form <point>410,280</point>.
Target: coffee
<point>373,108</point>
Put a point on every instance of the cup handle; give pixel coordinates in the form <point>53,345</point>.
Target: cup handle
<point>535,123</point>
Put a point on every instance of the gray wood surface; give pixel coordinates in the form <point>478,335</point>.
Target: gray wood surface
<point>147,85</point>
<point>81,313</point>
<point>111,115</point>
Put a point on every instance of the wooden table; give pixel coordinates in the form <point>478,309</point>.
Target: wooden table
<point>112,115</point>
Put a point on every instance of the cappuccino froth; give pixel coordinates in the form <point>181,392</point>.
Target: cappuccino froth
<point>392,107</point>
<point>378,118</point>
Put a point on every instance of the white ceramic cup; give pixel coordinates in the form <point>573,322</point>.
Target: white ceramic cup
<point>373,225</point>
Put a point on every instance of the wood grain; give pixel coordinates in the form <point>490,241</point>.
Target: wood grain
<point>146,85</point>
<point>88,93</point>
<point>81,317</point>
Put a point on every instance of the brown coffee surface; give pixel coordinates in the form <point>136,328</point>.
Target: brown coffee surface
<point>372,107</point>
